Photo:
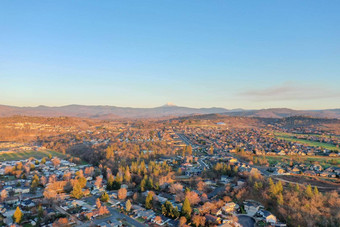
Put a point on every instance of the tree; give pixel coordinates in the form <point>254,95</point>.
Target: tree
<point>61,222</point>
<point>109,185</point>
<point>193,197</point>
<point>109,152</point>
<point>211,150</point>
<point>128,205</point>
<point>148,200</point>
<point>35,182</point>
<point>82,181</point>
<point>309,192</point>
<point>104,197</point>
<point>98,182</point>
<point>77,191</point>
<point>127,175</point>
<point>98,203</point>
<point>186,209</point>
<point>198,220</point>
<point>189,150</point>
<point>316,191</point>
<point>176,188</point>
<point>17,215</point>
<point>158,220</point>
<point>56,161</point>
<point>280,199</point>
<point>182,221</point>
<point>4,194</point>
<point>122,193</point>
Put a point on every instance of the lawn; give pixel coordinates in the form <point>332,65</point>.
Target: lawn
<point>290,138</point>
<point>20,155</point>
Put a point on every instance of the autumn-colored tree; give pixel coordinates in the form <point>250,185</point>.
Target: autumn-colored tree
<point>35,182</point>
<point>98,203</point>
<point>128,205</point>
<point>158,220</point>
<point>127,175</point>
<point>182,221</point>
<point>148,200</point>
<point>82,181</point>
<point>109,185</point>
<point>98,182</point>
<point>280,199</point>
<point>211,150</point>
<point>55,161</point>
<point>309,192</point>
<point>109,152</point>
<point>198,220</point>
<point>103,210</point>
<point>61,222</point>
<point>176,188</point>
<point>67,176</point>
<point>77,191</point>
<point>192,197</point>
<point>316,191</point>
<point>186,209</point>
<point>4,194</point>
<point>43,180</point>
<point>201,186</point>
<point>122,193</point>
<point>104,197</point>
<point>17,215</point>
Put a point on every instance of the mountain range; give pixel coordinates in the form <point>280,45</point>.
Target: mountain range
<point>168,110</point>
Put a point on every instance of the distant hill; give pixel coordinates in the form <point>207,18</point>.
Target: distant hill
<point>168,110</point>
<point>285,112</point>
<point>106,112</point>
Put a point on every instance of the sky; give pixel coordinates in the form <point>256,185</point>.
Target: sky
<point>231,54</point>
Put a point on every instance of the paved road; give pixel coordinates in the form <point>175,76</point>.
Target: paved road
<point>79,223</point>
<point>114,214</point>
<point>246,221</point>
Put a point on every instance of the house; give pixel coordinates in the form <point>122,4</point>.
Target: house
<point>22,190</point>
<point>160,221</point>
<point>230,207</point>
<point>27,203</point>
<point>269,217</point>
<point>212,219</point>
<point>146,214</point>
<point>251,207</point>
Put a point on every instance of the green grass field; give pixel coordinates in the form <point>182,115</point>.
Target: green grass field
<point>290,138</point>
<point>19,155</point>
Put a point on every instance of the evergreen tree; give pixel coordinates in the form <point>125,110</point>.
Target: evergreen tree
<point>186,209</point>
<point>104,197</point>
<point>109,185</point>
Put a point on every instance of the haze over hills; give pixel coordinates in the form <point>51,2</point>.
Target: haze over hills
<point>168,110</point>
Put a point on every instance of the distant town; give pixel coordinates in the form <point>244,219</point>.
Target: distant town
<point>204,170</point>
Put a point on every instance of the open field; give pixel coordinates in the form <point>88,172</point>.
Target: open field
<point>290,138</point>
<point>324,161</point>
<point>303,180</point>
<point>19,155</point>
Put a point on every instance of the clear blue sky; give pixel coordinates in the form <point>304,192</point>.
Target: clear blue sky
<point>232,54</point>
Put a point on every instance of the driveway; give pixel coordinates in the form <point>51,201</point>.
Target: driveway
<point>246,221</point>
